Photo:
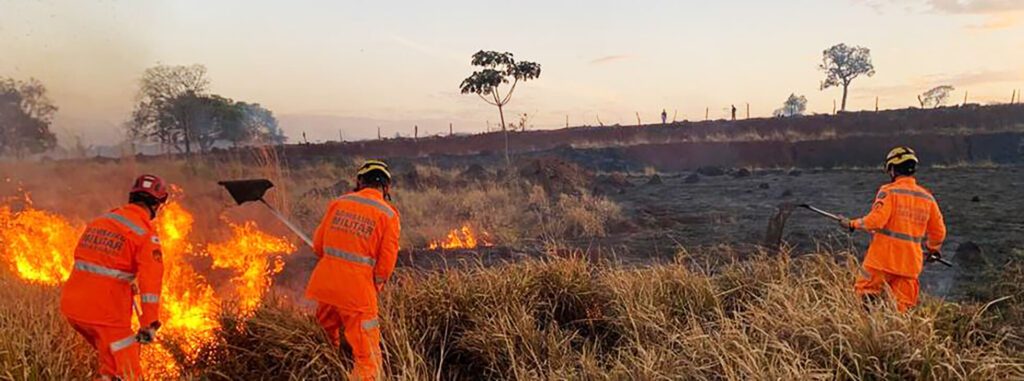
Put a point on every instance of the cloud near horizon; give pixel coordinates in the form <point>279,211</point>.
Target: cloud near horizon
<point>977,6</point>
<point>1000,14</point>
<point>609,59</point>
<point>983,7</point>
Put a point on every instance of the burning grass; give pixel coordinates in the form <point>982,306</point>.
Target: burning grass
<point>37,246</point>
<point>762,318</point>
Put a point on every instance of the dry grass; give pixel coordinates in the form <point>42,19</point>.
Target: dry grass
<point>36,343</point>
<point>763,318</point>
<point>512,211</point>
<point>553,318</point>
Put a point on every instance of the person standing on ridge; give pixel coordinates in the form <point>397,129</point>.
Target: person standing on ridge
<point>118,256</point>
<point>664,116</point>
<point>357,243</point>
<point>903,216</point>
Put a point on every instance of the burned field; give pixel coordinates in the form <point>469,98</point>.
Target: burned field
<point>597,274</point>
<point>597,263</point>
<point>662,214</point>
<point>980,206</point>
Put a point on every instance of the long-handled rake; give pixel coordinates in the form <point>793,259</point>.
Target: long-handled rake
<point>773,237</point>
<point>243,191</point>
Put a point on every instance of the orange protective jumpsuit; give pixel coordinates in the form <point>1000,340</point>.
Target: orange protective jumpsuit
<point>357,243</point>
<point>117,252</point>
<point>904,216</point>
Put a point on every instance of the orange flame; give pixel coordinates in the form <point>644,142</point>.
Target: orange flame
<point>39,247</point>
<point>189,307</point>
<point>461,238</point>
<point>248,253</point>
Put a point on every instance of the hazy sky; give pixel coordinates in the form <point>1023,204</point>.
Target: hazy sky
<point>325,66</point>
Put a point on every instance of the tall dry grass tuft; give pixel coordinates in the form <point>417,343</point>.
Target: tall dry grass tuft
<point>512,212</point>
<point>278,342</point>
<point>36,343</point>
<point>568,318</point>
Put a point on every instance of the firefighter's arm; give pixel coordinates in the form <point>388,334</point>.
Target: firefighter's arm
<point>150,279</point>
<point>318,236</point>
<point>879,215</point>
<point>388,253</point>
<point>936,232</point>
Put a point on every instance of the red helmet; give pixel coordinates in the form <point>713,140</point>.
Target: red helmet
<point>151,185</point>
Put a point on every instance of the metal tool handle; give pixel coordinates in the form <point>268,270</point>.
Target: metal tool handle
<point>930,257</point>
<point>837,218</point>
<point>292,227</point>
<point>821,212</point>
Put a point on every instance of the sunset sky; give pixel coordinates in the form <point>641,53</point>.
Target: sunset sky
<point>350,66</point>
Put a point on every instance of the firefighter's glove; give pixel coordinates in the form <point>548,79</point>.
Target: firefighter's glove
<point>147,335</point>
<point>845,223</point>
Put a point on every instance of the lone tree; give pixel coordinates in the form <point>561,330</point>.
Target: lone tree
<point>935,97</point>
<point>25,116</point>
<point>842,64</point>
<point>794,106</point>
<point>497,69</point>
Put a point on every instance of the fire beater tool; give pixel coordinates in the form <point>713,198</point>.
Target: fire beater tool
<point>773,237</point>
<point>243,191</point>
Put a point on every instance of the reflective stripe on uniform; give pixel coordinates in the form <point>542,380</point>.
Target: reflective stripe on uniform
<point>913,193</point>
<point>344,255</point>
<point>374,203</point>
<point>900,236</point>
<point>370,324</point>
<point>104,271</point>
<point>126,222</point>
<point>377,279</point>
<point>123,343</point>
<point>150,298</point>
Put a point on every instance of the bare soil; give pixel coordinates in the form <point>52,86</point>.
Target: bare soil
<point>981,206</point>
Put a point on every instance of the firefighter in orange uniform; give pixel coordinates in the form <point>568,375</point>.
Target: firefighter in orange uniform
<point>904,216</point>
<point>117,257</point>
<point>357,243</point>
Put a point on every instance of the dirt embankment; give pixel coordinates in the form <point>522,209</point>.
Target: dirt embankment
<point>760,135</point>
<point>1005,147</point>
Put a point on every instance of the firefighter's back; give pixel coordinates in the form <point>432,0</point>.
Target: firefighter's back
<point>99,290</point>
<point>896,248</point>
<point>351,235</point>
